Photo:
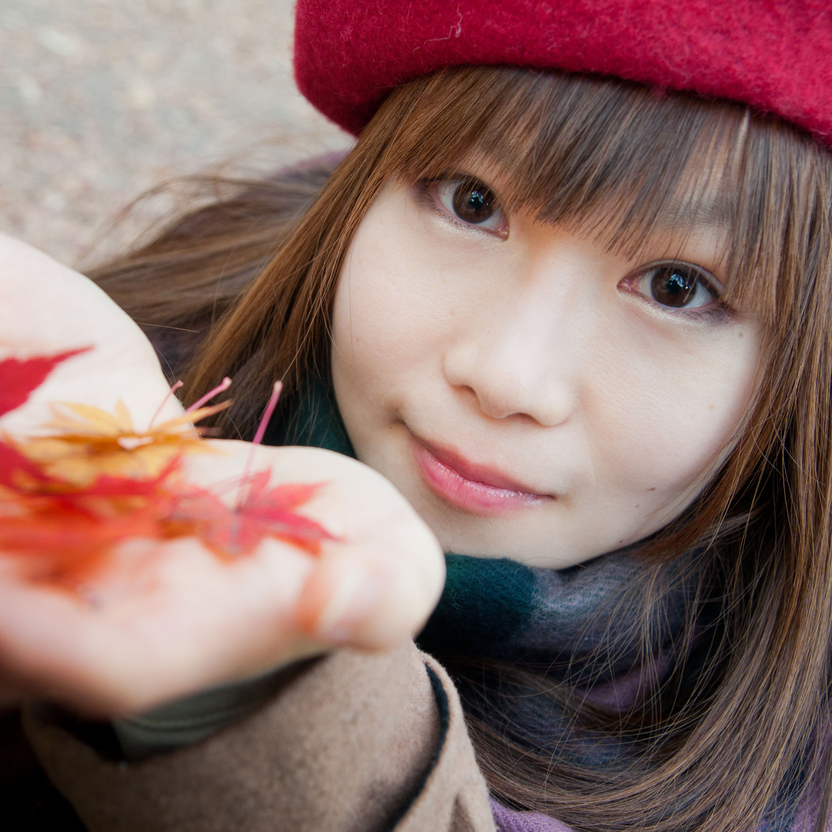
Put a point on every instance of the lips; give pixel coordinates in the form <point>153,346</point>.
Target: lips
<point>471,487</point>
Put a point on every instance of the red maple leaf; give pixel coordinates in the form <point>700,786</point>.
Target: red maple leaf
<point>265,512</point>
<point>62,538</point>
<point>15,467</point>
<point>20,377</point>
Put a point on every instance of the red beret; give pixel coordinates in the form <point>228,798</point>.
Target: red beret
<point>775,55</point>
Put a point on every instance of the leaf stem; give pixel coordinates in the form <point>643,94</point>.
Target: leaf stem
<point>224,385</point>
<point>267,413</point>
<point>258,439</point>
<point>172,390</point>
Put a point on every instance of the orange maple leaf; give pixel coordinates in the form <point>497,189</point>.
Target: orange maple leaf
<point>90,443</point>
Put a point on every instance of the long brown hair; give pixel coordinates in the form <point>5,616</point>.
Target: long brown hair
<point>259,270</point>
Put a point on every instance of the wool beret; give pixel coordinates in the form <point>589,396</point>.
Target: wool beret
<point>774,55</point>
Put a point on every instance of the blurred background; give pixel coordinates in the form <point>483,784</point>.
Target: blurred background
<point>103,99</point>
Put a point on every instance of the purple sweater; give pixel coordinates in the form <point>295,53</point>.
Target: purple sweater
<point>511,821</point>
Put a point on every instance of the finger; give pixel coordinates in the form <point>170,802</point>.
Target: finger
<point>378,582</point>
<point>374,596</point>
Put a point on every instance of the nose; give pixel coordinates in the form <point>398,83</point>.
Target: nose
<point>518,359</point>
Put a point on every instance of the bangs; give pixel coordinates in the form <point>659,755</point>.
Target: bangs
<point>622,161</point>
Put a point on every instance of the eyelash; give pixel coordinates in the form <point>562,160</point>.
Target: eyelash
<point>429,197</point>
<point>714,311</point>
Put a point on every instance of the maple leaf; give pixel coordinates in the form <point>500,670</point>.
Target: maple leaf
<point>62,540</point>
<point>90,442</point>
<point>108,486</point>
<point>265,512</point>
<point>16,469</point>
<point>20,377</point>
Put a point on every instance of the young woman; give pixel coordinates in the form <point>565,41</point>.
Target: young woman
<point>582,325</point>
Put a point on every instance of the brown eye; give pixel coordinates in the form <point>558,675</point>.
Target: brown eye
<point>673,286</point>
<point>678,286</point>
<point>472,202</point>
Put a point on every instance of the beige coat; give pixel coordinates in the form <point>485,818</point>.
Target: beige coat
<point>354,743</point>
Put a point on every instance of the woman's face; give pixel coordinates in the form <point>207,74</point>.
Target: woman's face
<point>533,395</point>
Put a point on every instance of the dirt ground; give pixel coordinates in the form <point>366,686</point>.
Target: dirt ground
<point>102,99</point>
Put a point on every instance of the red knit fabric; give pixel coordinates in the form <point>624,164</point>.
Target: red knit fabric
<point>775,55</point>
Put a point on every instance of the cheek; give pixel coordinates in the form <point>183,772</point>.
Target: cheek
<point>672,423</point>
<point>364,314</point>
<point>368,351</point>
<point>382,331</point>
<point>391,306</point>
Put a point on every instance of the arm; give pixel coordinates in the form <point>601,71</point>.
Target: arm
<point>355,742</point>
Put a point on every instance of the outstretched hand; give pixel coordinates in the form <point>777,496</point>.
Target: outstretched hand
<point>165,618</point>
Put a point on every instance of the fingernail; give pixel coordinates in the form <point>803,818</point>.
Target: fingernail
<point>355,594</point>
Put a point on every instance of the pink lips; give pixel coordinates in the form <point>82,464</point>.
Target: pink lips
<point>470,487</point>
